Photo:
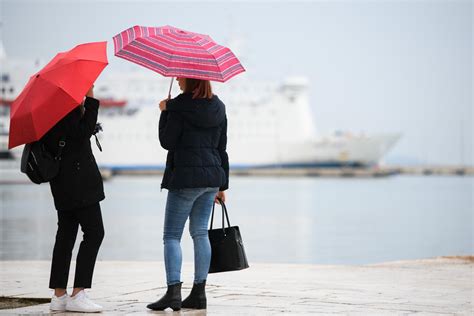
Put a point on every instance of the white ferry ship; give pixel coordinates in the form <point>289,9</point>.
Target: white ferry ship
<point>270,124</point>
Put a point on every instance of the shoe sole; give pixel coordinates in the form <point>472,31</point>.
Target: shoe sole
<point>175,307</point>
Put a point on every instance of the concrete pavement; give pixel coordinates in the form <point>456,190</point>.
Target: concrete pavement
<point>439,286</point>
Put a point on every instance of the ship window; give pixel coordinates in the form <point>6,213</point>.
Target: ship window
<point>3,90</point>
<point>11,90</point>
<point>5,78</point>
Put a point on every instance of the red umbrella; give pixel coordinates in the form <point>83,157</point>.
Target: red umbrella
<point>54,91</point>
<point>173,52</point>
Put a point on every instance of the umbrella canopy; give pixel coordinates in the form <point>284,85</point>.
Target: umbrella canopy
<point>173,52</point>
<point>54,91</point>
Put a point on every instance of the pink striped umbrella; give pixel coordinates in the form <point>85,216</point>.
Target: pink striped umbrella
<point>173,52</point>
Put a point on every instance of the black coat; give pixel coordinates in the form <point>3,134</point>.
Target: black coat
<point>79,182</point>
<point>194,131</point>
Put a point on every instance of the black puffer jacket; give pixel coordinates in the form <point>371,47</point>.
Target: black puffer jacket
<point>79,182</point>
<point>194,131</point>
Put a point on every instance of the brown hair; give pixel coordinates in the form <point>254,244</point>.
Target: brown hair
<point>199,88</point>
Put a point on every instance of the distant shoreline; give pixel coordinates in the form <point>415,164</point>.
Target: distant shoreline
<point>359,172</point>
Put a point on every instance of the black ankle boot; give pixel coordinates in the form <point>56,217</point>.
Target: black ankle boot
<point>172,299</point>
<point>197,297</point>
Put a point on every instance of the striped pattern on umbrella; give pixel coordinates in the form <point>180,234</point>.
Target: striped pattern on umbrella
<point>173,52</point>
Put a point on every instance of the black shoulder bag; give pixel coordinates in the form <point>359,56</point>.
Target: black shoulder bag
<point>228,252</point>
<point>38,163</point>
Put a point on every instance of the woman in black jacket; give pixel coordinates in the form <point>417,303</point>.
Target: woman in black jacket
<point>77,191</point>
<point>193,128</point>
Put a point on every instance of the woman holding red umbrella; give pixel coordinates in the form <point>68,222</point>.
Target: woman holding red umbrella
<point>77,191</point>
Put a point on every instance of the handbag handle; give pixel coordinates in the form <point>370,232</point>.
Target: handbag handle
<point>224,211</point>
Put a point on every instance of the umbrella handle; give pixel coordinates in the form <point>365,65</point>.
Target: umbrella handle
<point>171,85</point>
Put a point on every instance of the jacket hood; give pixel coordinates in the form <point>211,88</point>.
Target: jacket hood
<point>199,112</point>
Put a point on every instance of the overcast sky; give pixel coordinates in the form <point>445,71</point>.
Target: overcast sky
<point>373,66</point>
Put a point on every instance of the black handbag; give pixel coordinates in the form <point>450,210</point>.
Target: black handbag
<point>228,252</point>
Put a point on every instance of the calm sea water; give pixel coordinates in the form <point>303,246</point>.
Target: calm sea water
<point>287,220</point>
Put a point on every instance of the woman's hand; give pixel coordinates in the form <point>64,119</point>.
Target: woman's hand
<point>220,195</point>
<point>90,93</point>
<point>163,104</point>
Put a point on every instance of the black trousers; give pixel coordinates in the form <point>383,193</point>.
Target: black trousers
<point>90,220</point>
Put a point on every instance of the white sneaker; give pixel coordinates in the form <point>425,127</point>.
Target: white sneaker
<point>81,303</point>
<point>59,303</point>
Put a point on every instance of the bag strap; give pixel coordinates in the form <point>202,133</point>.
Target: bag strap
<point>224,213</point>
<point>97,142</point>
<point>61,144</point>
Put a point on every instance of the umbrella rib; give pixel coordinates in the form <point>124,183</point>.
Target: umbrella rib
<point>70,61</point>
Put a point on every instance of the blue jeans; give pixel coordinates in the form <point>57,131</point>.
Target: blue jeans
<point>195,203</point>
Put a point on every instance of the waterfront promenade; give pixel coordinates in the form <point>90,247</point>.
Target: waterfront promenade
<point>439,286</point>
